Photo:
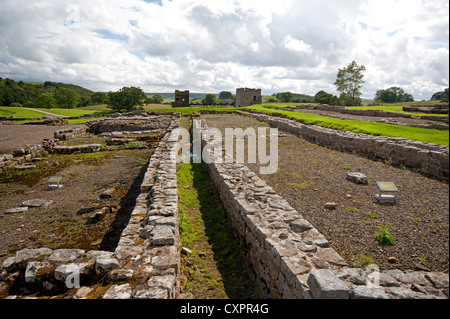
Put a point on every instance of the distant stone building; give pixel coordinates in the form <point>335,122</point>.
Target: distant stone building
<point>247,97</point>
<point>181,99</point>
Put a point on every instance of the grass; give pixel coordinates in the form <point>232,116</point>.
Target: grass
<point>370,128</point>
<point>19,112</point>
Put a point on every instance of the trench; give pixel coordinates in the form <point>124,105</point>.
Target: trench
<point>214,266</point>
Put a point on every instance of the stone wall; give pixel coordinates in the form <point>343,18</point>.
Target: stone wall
<point>149,245</point>
<point>376,113</point>
<point>430,159</point>
<point>288,255</point>
<point>143,122</point>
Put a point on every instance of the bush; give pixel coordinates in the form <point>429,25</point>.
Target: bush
<point>384,236</point>
<point>16,104</point>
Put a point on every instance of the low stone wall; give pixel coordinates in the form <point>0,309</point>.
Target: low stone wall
<point>429,109</point>
<point>130,123</point>
<point>149,245</point>
<point>430,159</point>
<point>69,134</point>
<point>288,255</point>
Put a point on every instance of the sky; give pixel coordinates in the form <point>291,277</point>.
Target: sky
<point>211,46</point>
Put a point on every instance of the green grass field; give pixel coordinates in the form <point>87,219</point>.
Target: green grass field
<point>18,112</point>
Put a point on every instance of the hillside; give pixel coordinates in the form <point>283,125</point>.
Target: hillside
<point>22,92</point>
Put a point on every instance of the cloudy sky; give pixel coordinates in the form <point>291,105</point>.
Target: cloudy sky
<point>210,46</point>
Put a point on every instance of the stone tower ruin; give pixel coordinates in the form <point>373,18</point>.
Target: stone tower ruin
<point>181,99</point>
<point>248,97</point>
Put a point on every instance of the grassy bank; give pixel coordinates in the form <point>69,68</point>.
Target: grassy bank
<point>370,128</point>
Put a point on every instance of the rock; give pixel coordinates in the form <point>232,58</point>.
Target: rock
<point>331,256</point>
<point>439,280</point>
<point>36,203</point>
<point>325,285</point>
<point>103,265</point>
<point>16,210</point>
<point>364,292</point>
<point>162,236</point>
<point>354,275</point>
<point>118,292</point>
<point>31,272</point>
<point>358,178</point>
<point>421,267</point>
<point>65,255</point>
<point>330,205</point>
<point>24,255</point>
<point>82,292</point>
<point>300,225</point>
<point>120,274</point>
<point>392,260</point>
<point>63,272</point>
<point>186,251</point>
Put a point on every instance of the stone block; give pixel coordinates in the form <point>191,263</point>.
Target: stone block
<point>325,285</point>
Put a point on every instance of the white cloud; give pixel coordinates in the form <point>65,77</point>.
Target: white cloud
<point>209,46</point>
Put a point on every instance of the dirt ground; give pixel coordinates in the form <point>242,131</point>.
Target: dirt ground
<point>14,136</point>
<point>66,222</point>
<point>309,176</point>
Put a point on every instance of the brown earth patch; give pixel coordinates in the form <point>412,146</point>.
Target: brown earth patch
<point>66,223</point>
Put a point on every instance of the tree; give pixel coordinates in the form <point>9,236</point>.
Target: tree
<point>66,98</point>
<point>349,82</point>
<point>225,95</point>
<point>157,99</point>
<point>393,95</point>
<point>323,97</point>
<point>210,99</point>
<point>45,100</point>
<point>441,96</point>
<point>126,99</point>
<point>286,97</point>
<point>98,98</point>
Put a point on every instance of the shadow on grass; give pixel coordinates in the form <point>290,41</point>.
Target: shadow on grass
<point>227,252</point>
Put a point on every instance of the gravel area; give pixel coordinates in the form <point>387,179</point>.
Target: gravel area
<point>309,176</point>
<point>13,136</point>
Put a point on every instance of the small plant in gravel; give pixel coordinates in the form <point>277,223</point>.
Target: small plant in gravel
<point>372,215</point>
<point>384,236</point>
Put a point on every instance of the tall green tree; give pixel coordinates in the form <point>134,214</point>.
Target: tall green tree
<point>286,97</point>
<point>45,100</point>
<point>210,99</point>
<point>393,95</point>
<point>323,97</point>
<point>66,98</point>
<point>126,99</point>
<point>98,98</point>
<point>349,82</point>
<point>157,99</point>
